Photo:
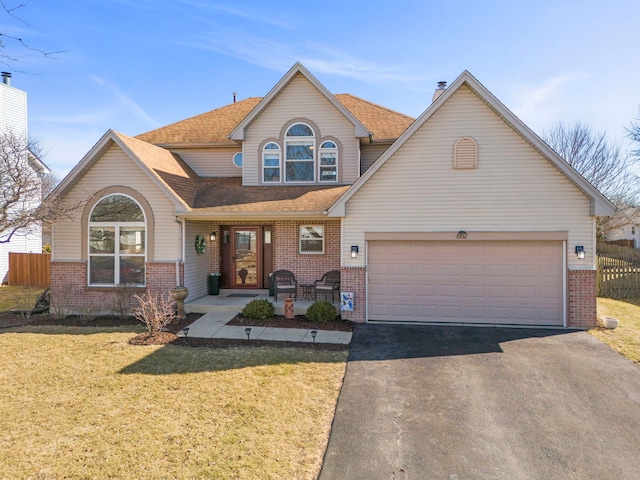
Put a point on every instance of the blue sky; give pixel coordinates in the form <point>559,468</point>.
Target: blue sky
<point>135,65</point>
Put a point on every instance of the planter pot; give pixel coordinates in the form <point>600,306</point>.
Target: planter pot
<point>610,322</point>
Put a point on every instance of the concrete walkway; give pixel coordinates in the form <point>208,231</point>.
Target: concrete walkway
<point>214,325</point>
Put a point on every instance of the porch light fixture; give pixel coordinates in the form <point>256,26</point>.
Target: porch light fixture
<point>354,251</point>
<point>248,332</point>
<point>462,235</point>
<point>580,252</point>
<point>213,236</point>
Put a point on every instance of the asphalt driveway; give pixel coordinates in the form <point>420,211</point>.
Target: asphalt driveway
<point>457,403</point>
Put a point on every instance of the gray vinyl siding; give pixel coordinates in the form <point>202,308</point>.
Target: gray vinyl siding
<point>211,162</point>
<point>513,188</point>
<point>196,266</point>
<point>369,154</point>
<point>116,168</point>
<point>300,99</point>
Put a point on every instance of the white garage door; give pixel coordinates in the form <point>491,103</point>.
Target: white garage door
<point>516,282</point>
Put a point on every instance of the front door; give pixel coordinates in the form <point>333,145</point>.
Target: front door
<point>246,257</point>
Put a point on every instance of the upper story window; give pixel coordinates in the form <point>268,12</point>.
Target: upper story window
<point>117,242</point>
<point>328,167</point>
<point>271,162</point>
<point>299,144</point>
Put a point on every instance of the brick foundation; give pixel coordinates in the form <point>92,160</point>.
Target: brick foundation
<point>69,286</point>
<point>583,287</point>
<point>353,279</point>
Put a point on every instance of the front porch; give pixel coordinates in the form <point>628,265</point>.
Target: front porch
<point>230,298</point>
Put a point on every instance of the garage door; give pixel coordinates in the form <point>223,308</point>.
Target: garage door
<point>515,282</point>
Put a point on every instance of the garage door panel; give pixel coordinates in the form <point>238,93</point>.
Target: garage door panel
<point>465,281</point>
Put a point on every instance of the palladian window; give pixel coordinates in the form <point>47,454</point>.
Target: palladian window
<point>299,154</point>
<point>328,162</point>
<point>117,242</point>
<point>271,162</point>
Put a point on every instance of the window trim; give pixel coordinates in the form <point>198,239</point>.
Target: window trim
<point>300,239</point>
<point>116,255</point>
<point>287,140</point>
<point>336,150</point>
<point>271,151</point>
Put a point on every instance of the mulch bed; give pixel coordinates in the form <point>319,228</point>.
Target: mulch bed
<point>8,319</point>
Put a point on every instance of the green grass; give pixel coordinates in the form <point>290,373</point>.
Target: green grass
<point>83,403</point>
<point>21,298</point>
<point>626,338</point>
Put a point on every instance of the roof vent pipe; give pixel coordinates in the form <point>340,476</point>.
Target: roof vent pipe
<point>442,86</point>
<point>235,97</point>
<point>6,78</point>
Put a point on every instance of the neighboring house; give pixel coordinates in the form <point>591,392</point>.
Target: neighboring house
<point>13,120</point>
<point>463,215</point>
<point>629,232</point>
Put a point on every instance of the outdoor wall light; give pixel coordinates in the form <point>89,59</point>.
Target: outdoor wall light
<point>580,252</point>
<point>462,235</point>
<point>354,251</point>
<point>213,236</point>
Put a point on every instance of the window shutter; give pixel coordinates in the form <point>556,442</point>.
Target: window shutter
<point>465,153</point>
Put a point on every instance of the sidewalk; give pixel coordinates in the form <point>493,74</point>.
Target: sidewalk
<point>214,325</point>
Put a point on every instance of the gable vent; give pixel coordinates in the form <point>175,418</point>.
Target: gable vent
<point>465,153</point>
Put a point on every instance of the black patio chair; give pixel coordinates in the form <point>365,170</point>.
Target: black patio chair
<point>329,284</point>
<point>284,282</point>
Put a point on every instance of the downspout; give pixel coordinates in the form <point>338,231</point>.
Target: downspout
<point>182,252</point>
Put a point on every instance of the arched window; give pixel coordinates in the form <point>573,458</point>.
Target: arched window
<point>271,162</point>
<point>299,161</point>
<point>117,242</point>
<point>328,167</point>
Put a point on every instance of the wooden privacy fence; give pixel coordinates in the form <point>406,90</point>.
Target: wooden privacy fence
<point>29,269</point>
<point>618,271</point>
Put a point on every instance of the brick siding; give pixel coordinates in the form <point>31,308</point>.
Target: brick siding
<point>353,279</point>
<point>582,298</point>
<point>69,286</point>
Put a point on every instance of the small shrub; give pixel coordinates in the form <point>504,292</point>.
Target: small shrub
<point>122,302</point>
<point>60,299</point>
<point>87,314</point>
<point>155,310</point>
<point>258,309</point>
<point>321,312</point>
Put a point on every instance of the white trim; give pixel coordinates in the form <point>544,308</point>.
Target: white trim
<point>316,226</point>
<point>271,151</point>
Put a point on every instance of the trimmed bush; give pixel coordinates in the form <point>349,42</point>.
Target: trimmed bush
<point>258,309</point>
<point>323,311</point>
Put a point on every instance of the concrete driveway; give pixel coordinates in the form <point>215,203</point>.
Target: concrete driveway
<point>457,403</point>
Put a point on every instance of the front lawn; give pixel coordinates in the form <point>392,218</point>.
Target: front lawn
<point>81,402</point>
<point>21,298</point>
<point>626,338</point>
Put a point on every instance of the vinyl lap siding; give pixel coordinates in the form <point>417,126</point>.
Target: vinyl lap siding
<point>116,168</point>
<point>211,162</point>
<point>369,154</point>
<point>512,189</point>
<point>300,99</point>
<point>196,266</point>
<point>13,110</point>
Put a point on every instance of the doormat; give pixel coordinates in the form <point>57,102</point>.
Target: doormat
<point>242,295</point>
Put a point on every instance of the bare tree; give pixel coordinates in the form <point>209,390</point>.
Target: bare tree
<point>605,165</point>
<point>11,45</point>
<point>633,133</point>
<point>23,179</point>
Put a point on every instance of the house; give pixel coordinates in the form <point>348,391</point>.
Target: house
<point>461,215</point>
<point>13,123</point>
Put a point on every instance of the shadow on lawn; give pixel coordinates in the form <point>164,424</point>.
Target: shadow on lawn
<point>178,358</point>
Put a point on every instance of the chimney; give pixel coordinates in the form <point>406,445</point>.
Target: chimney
<point>235,97</point>
<point>6,78</point>
<point>442,86</point>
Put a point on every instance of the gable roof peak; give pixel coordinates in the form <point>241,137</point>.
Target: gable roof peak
<point>297,68</point>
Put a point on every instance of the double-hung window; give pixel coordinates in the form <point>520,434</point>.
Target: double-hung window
<point>311,239</point>
<point>299,154</point>
<point>328,168</point>
<point>117,241</point>
<point>271,163</point>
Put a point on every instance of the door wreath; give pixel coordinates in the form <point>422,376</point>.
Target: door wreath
<point>201,244</point>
